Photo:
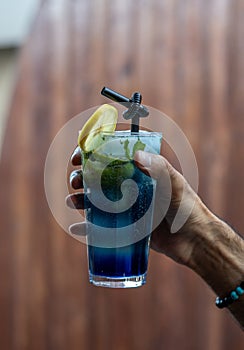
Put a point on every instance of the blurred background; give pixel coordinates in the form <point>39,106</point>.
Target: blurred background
<point>187,60</point>
<point>15,21</point>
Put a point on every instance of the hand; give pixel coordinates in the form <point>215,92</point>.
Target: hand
<point>178,246</point>
<point>204,243</point>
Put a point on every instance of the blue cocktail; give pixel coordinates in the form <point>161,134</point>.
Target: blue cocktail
<point>120,200</point>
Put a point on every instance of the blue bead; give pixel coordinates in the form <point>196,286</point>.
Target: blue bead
<point>239,291</point>
<point>234,295</point>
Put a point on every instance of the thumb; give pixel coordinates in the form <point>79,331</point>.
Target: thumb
<point>160,169</point>
<point>153,164</point>
<point>174,199</point>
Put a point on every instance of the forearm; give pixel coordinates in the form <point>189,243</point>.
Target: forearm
<point>218,257</point>
<point>205,244</point>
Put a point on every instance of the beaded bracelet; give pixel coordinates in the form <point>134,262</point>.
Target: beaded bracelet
<point>231,297</point>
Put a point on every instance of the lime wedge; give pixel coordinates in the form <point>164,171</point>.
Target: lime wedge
<point>108,167</point>
<point>116,172</point>
<point>104,119</point>
<point>109,176</point>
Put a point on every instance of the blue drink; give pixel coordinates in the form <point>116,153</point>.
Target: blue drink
<point>118,239</point>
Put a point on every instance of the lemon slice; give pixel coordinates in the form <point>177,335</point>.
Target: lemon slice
<point>104,119</point>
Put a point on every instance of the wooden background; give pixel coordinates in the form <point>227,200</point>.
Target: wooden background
<point>187,59</point>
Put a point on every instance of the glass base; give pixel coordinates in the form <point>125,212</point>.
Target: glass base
<point>121,282</point>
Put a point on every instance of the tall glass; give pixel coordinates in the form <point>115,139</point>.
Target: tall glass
<point>119,199</point>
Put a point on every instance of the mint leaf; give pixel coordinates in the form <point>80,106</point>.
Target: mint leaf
<point>138,146</point>
<point>126,148</point>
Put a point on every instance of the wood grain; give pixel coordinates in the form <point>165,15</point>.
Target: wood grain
<point>187,59</point>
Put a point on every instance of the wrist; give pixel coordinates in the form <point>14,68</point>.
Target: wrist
<point>217,255</point>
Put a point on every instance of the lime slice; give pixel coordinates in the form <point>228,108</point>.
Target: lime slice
<point>104,119</point>
<point>108,171</point>
<point>116,172</point>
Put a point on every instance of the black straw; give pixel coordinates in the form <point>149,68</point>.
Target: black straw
<point>115,96</point>
<point>136,98</point>
<point>135,109</point>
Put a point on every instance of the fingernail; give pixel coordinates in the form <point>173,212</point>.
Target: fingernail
<point>76,157</point>
<point>76,179</point>
<point>70,202</point>
<point>144,158</point>
<point>76,201</point>
<point>79,229</point>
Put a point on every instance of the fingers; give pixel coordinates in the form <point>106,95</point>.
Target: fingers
<point>76,179</point>
<point>76,156</point>
<point>160,236</point>
<point>76,201</point>
<point>79,229</point>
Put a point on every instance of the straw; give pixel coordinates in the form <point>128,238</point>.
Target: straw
<point>135,109</point>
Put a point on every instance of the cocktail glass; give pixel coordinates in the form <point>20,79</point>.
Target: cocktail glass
<point>119,199</point>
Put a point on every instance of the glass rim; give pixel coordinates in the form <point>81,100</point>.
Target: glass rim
<point>128,133</point>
